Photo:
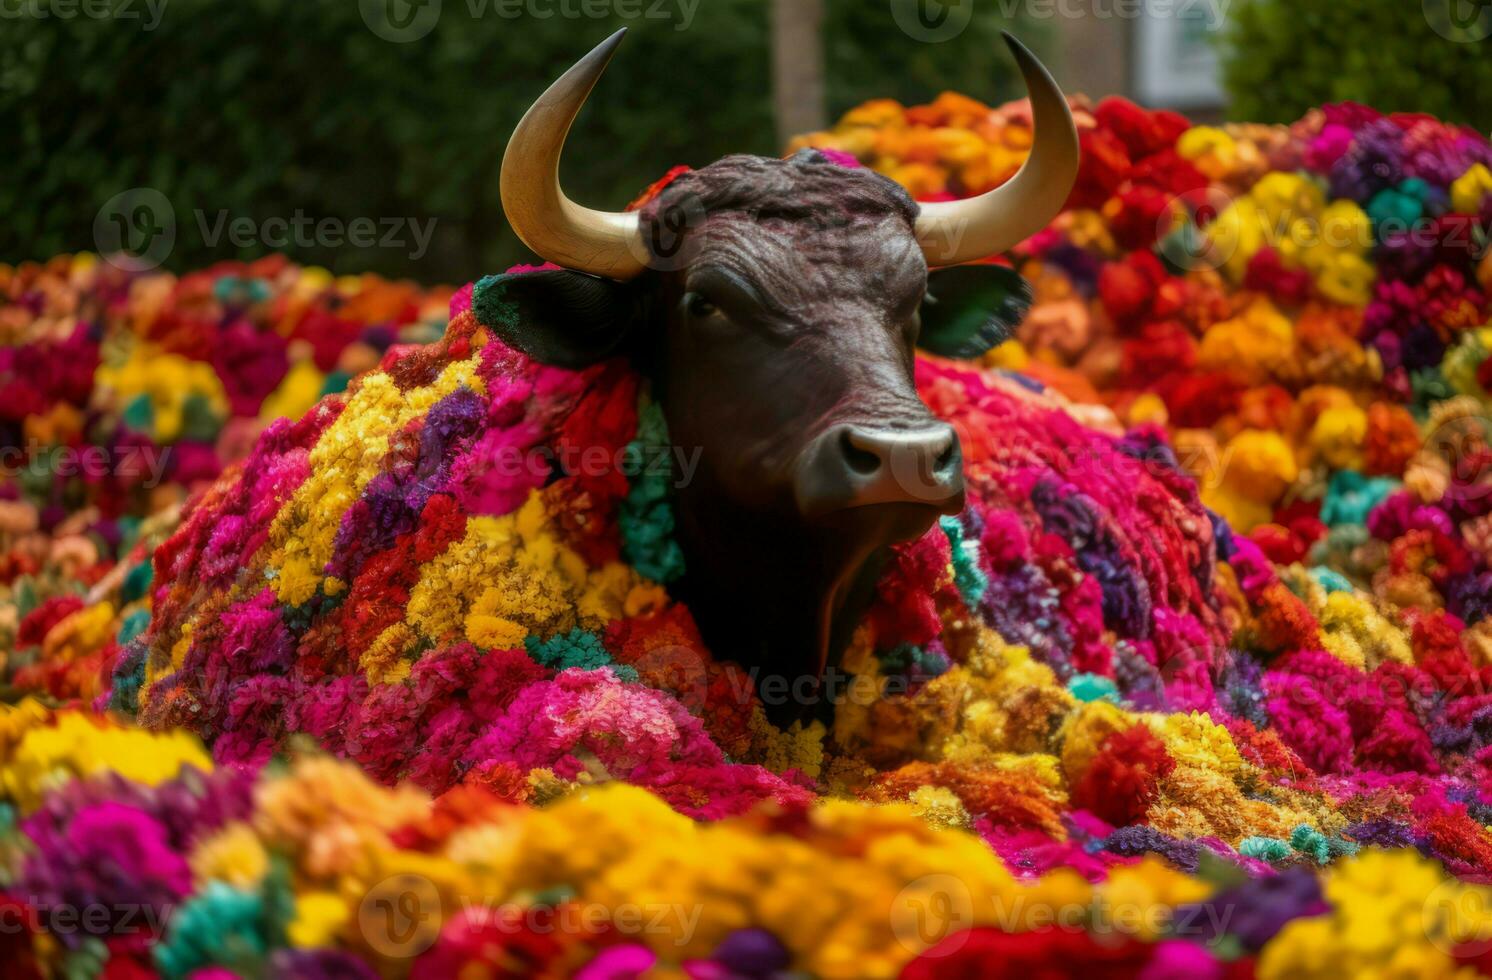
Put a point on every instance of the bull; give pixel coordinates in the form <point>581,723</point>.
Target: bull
<point>775,305</point>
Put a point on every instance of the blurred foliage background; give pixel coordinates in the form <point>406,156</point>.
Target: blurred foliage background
<point>1282,57</point>
<point>261,109</point>
<point>266,108</point>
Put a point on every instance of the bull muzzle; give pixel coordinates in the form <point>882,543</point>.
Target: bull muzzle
<point>849,466</point>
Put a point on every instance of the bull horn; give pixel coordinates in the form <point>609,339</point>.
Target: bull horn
<point>603,243</point>
<point>959,231</point>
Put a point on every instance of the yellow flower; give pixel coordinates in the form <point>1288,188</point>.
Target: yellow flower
<point>297,392</point>
<point>1210,149</point>
<point>76,745</point>
<point>1348,279</point>
<point>797,747</point>
<point>319,917</point>
<point>296,583</point>
<point>1259,464</point>
<point>1148,408</point>
<point>606,592</point>
<point>939,806</point>
<point>384,661</point>
<point>1338,436</point>
<point>1239,231</point>
<point>80,633</point>
<point>1194,739</point>
<point>330,817</point>
<point>232,855</point>
<point>875,113</point>
<point>1468,189</point>
<point>509,577</point>
<point>1085,732</point>
<point>1140,899</point>
<point>168,382</point>
<point>1393,914</point>
<point>1256,467</point>
<point>1287,197</point>
<point>314,278</point>
<point>17,720</point>
<point>1009,355</point>
<point>489,632</point>
<point>1256,345</point>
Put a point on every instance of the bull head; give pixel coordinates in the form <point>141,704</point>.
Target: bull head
<point>776,305</point>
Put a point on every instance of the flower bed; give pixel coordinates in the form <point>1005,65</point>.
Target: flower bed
<point>1109,719</point>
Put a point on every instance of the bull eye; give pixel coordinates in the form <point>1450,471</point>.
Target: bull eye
<point>699,306</point>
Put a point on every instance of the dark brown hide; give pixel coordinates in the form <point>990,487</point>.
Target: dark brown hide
<point>816,280</point>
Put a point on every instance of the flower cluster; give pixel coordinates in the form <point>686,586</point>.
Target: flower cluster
<point>1195,685</point>
<point>176,869</point>
<point>120,391</point>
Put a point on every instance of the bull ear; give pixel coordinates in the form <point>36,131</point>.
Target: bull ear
<point>972,308</point>
<point>559,317</point>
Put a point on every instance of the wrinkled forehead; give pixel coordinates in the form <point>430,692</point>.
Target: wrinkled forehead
<point>799,230</point>
<point>797,263</point>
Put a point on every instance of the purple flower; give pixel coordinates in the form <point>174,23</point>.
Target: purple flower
<point>1373,163</point>
<point>113,869</point>
<point>1254,911</point>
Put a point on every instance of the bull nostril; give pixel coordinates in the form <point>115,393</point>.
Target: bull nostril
<point>946,457</point>
<point>861,461</point>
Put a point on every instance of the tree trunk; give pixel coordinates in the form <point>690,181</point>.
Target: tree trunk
<point>797,67</point>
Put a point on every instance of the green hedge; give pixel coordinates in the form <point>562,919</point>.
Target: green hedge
<point>257,109</point>
<point>1281,57</point>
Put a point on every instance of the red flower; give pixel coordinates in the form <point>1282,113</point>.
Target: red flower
<point>1122,780</point>
<point>904,610</point>
<point>1105,164</point>
<point>1161,349</point>
<point>1128,287</point>
<point>1169,172</point>
<point>39,621</point>
<point>327,334</point>
<point>987,953</point>
<point>596,430</point>
<point>1143,132</point>
<point>1137,221</point>
<point>1197,401</point>
<point>1435,638</point>
<point>1267,274</point>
